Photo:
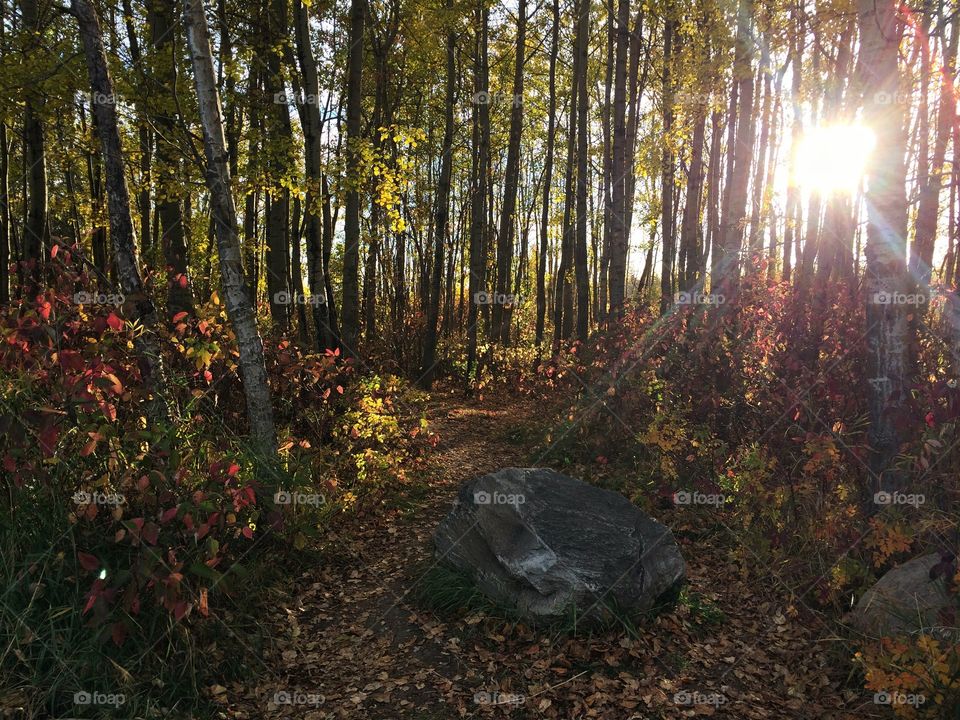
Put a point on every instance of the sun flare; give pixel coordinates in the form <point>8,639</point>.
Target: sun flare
<point>832,158</point>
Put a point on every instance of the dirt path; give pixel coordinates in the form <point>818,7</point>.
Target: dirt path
<point>352,643</point>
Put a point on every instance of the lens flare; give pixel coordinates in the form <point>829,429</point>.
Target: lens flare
<point>832,159</point>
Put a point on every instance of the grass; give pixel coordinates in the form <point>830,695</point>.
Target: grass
<point>50,650</point>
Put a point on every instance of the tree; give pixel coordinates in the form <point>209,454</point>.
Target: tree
<point>580,243</point>
<point>312,149</point>
<point>887,325</point>
<point>500,328</point>
<point>620,228</point>
<point>168,169</point>
<point>351,223</point>
<point>36,230</point>
<point>121,223</point>
<point>441,212</point>
<point>478,179</point>
<point>547,177</point>
<point>240,310</point>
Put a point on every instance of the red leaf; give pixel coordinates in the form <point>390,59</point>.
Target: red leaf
<point>118,633</point>
<point>151,532</point>
<point>48,437</point>
<point>247,532</point>
<point>180,316</point>
<point>168,515</point>
<point>233,469</point>
<point>54,250</point>
<point>114,322</point>
<point>181,609</point>
<point>88,448</point>
<point>88,561</point>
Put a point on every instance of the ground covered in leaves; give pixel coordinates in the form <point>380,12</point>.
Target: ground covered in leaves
<point>351,639</point>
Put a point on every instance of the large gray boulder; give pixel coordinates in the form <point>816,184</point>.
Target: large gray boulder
<point>544,544</point>
<point>906,600</point>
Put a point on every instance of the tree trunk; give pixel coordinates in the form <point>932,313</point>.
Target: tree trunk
<point>36,231</point>
<point>620,160</point>
<point>240,310</point>
<point>169,170</point>
<point>278,134</point>
<point>118,201</point>
<point>428,357</point>
<point>312,147</point>
<point>666,169</point>
<point>928,207</point>
<point>351,223</point>
<point>583,181</point>
<point>478,181</point>
<point>547,178</point>
<point>887,326</point>
<point>500,329</point>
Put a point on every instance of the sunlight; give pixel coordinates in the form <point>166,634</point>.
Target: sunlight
<point>832,159</point>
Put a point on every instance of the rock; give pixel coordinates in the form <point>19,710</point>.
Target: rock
<point>544,544</point>
<point>906,600</point>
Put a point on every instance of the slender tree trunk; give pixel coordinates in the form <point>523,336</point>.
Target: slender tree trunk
<point>478,181</point>
<point>620,160</point>
<point>118,200</point>
<point>921,258</point>
<point>887,325</point>
<point>583,181</point>
<point>143,136</point>
<point>4,215</point>
<point>428,357</point>
<point>236,295</point>
<point>351,226</point>
<point>666,169</point>
<point>563,289</point>
<point>713,190</point>
<point>170,186</point>
<point>312,148</point>
<point>547,178</point>
<point>36,231</point>
<point>500,329</point>
<point>274,13</point>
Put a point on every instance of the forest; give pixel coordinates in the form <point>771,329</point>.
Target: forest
<point>440,359</point>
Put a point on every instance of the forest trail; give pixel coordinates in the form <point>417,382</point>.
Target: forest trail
<point>351,642</point>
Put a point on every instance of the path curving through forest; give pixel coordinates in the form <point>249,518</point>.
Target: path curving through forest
<point>352,642</point>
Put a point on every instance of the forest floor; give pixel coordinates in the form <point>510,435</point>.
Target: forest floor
<point>350,641</point>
